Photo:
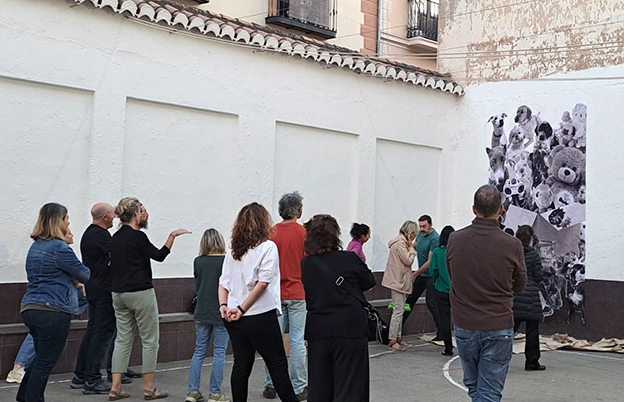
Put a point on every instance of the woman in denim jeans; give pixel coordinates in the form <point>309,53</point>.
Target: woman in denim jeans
<point>207,270</point>
<point>53,272</point>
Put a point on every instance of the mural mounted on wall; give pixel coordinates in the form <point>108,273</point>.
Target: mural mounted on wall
<point>539,168</point>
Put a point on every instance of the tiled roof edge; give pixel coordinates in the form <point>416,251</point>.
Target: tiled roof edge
<point>179,16</point>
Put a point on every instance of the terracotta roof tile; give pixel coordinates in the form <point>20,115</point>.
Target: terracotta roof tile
<point>179,16</point>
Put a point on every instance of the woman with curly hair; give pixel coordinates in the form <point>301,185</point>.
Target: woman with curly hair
<point>249,297</point>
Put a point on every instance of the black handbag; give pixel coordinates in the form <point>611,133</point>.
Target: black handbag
<point>377,329</point>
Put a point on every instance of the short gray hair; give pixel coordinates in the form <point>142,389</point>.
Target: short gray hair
<point>408,228</point>
<point>290,204</point>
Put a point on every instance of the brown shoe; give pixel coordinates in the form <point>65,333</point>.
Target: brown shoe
<point>153,394</point>
<point>117,395</point>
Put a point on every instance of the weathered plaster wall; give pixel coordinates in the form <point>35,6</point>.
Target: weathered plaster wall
<point>482,41</point>
<point>95,107</point>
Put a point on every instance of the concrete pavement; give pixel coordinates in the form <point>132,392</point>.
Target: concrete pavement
<point>419,374</point>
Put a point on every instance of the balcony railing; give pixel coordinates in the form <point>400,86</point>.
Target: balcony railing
<point>317,17</point>
<point>423,19</point>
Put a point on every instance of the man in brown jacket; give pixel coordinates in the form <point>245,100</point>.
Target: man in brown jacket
<point>486,267</point>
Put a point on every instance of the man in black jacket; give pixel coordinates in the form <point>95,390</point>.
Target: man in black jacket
<point>95,250</point>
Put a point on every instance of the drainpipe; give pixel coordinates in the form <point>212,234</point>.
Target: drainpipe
<point>379,28</point>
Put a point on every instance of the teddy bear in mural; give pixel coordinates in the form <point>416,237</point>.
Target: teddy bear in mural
<point>566,131</point>
<point>566,174</point>
<point>543,198</point>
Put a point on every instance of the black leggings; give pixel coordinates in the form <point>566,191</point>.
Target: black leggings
<point>444,312</point>
<point>259,333</point>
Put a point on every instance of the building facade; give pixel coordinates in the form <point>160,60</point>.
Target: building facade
<point>480,41</point>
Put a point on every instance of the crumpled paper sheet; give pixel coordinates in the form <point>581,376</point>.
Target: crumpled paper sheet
<point>554,342</point>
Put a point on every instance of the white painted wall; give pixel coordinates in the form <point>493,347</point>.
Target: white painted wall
<point>95,107</point>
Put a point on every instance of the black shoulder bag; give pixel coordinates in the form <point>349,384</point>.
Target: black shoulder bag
<point>377,329</point>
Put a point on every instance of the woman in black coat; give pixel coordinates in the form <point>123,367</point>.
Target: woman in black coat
<point>527,305</point>
<point>336,324</point>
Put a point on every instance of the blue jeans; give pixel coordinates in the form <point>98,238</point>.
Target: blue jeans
<point>26,353</point>
<point>49,330</point>
<point>485,357</point>
<point>294,315</point>
<point>221,338</point>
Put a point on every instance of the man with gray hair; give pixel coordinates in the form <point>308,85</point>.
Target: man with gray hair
<point>289,236</point>
<point>486,267</point>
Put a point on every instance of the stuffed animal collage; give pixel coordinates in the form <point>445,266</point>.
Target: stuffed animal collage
<point>539,167</point>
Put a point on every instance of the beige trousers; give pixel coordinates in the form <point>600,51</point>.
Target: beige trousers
<point>138,309</point>
<point>396,321</point>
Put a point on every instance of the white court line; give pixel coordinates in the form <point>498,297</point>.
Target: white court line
<point>445,370</point>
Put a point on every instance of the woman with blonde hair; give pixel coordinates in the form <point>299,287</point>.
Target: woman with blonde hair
<point>134,299</point>
<point>207,269</point>
<point>51,298</point>
<point>249,297</point>
<point>398,278</point>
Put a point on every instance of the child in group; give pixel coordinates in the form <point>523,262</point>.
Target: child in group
<point>360,233</point>
<point>24,357</point>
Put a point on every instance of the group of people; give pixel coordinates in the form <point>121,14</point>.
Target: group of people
<point>116,278</point>
<point>273,277</point>
<point>483,278</point>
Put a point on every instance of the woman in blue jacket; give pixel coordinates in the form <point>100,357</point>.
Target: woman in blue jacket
<point>53,272</point>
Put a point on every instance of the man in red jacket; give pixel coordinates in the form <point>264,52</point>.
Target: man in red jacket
<point>289,235</point>
<point>486,267</point>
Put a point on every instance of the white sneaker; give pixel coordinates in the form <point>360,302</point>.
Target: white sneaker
<point>15,376</point>
<point>219,397</point>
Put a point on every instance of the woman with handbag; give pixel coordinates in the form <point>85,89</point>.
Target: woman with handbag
<point>398,278</point>
<point>336,324</point>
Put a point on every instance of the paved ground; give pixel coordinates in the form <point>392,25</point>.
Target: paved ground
<point>419,374</point>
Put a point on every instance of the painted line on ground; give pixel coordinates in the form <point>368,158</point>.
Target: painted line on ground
<point>447,374</point>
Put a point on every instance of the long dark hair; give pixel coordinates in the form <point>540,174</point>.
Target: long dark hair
<point>252,227</point>
<point>358,230</point>
<point>322,235</point>
<point>444,235</point>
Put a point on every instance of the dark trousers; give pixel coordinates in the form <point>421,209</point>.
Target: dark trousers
<point>531,347</point>
<point>422,284</point>
<point>259,333</point>
<point>49,330</point>
<point>338,370</point>
<point>444,312</point>
<point>96,340</point>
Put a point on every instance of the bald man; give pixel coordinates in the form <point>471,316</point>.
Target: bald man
<point>95,249</point>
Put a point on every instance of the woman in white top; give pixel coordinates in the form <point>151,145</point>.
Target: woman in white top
<point>249,297</point>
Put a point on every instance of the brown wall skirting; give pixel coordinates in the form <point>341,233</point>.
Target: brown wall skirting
<point>603,307</point>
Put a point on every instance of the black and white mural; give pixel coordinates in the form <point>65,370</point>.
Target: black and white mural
<point>539,167</point>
